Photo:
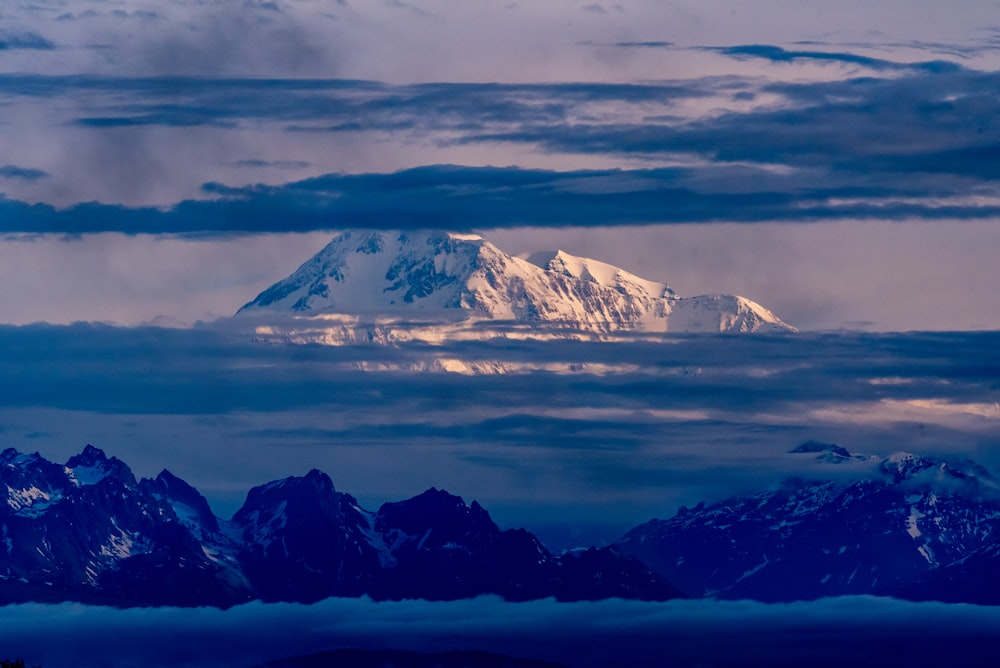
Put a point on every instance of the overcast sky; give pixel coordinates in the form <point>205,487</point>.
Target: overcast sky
<point>836,164</point>
<point>163,162</point>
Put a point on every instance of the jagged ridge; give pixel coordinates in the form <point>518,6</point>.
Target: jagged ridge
<point>89,531</point>
<point>806,539</point>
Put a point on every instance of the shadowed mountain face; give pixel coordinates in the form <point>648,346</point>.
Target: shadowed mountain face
<point>433,286</point>
<point>913,525</point>
<point>89,531</point>
<point>971,579</point>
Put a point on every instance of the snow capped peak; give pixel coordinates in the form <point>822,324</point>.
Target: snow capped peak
<point>365,272</point>
<point>905,465</point>
<point>930,470</point>
<point>13,458</point>
<point>595,271</point>
<point>437,278</point>
<point>92,466</point>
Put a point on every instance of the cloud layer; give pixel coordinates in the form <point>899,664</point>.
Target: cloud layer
<point>859,631</point>
<point>916,142</point>
<point>690,418</point>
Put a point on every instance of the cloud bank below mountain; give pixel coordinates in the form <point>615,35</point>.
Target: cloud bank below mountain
<point>859,631</point>
<point>687,419</point>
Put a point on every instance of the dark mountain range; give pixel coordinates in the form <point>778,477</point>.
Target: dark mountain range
<point>971,579</point>
<point>907,526</point>
<point>89,531</point>
<point>918,527</point>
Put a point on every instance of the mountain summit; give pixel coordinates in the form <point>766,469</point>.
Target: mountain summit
<point>434,285</point>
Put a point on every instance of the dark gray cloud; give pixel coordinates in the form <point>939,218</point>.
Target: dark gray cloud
<point>920,142</point>
<point>854,128</point>
<point>26,173</point>
<point>464,198</point>
<point>700,418</point>
<point>983,44</point>
<point>254,163</point>
<point>27,40</point>
<point>338,104</point>
<point>857,631</point>
<point>219,369</point>
<point>777,54</point>
<point>645,45</point>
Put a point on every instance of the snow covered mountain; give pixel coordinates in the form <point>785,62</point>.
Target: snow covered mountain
<point>89,531</point>
<point>883,534</point>
<point>435,286</point>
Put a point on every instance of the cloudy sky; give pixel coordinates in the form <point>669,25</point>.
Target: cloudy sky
<point>161,162</point>
<point>169,160</point>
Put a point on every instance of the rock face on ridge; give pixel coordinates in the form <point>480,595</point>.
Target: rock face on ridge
<point>436,286</point>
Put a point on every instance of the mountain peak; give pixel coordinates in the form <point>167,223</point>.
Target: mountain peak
<point>541,259</point>
<point>434,276</point>
<point>906,466</point>
<point>92,466</point>
<point>12,457</point>
<point>315,481</point>
<point>88,456</point>
<point>830,452</point>
<point>436,510</point>
<point>604,274</point>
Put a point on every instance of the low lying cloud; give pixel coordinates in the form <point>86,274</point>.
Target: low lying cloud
<point>684,372</point>
<point>857,631</point>
<point>25,173</point>
<point>688,418</point>
<point>27,40</point>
